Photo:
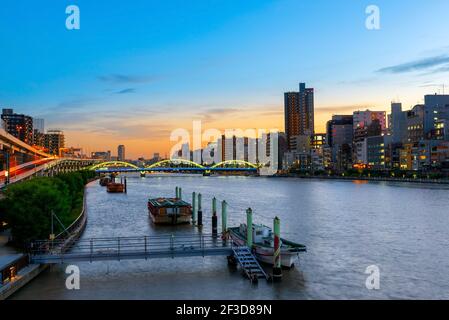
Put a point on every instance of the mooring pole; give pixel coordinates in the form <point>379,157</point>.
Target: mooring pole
<point>180,193</point>
<point>224,222</point>
<point>200,211</point>
<point>176,192</point>
<point>224,217</point>
<point>126,186</point>
<point>194,213</point>
<point>249,228</point>
<point>277,270</point>
<point>214,217</point>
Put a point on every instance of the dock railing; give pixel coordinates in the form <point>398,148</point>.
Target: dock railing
<point>129,247</point>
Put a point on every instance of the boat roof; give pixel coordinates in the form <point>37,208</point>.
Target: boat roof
<point>6,261</point>
<point>168,202</point>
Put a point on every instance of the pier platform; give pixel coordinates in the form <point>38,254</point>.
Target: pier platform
<point>130,248</point>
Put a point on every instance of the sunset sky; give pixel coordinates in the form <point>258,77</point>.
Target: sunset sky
<point>136,70</point>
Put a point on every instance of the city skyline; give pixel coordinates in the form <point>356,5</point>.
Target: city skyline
<point>130,77</point>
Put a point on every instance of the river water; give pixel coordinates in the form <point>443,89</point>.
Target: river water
<point>347,226</point>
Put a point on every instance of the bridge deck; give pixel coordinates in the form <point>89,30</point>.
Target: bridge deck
<point>102,249</point>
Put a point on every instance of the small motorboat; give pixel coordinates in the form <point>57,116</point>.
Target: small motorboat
<point>263,245</point>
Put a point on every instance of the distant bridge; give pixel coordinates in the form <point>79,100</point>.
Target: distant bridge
<point>177,165</point>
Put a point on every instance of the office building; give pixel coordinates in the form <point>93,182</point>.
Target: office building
<point>101,155</point>
<point>54,141</point>
<point>299,113</point>
<point>339,136</point>
<point>121,153</point>
<point>363,119</point>
<point>436,107</point>
<point>18,125</point>
<point>397,126</point>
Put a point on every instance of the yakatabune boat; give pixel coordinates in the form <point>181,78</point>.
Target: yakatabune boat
<point>169,211</point>
<point>263,245</point>
<point>113,187</point>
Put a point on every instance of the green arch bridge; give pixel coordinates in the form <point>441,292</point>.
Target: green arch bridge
<point>177,165</point>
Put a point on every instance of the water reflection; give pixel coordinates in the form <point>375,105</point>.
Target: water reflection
<point>346,226</point>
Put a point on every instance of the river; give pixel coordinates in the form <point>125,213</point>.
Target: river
<point>347,226</point>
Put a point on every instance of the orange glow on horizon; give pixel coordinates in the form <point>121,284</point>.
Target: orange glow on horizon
<point>145,144</point>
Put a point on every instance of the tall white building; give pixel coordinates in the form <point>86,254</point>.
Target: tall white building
<point>229,149</point>
<point>121,153</point>
<point>218,151</point>
<point>185,151</point>
<point>240,148</point>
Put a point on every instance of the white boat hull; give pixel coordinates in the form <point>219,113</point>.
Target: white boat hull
<point>266,255</point>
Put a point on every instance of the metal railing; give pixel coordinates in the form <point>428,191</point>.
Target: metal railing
<point>126,247</point>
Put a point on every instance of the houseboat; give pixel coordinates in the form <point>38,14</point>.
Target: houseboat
<point>113,187</point>
<point>169,211</point>
<point>263,245</point>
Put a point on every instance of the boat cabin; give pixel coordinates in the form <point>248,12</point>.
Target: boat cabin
<point>169,210</point>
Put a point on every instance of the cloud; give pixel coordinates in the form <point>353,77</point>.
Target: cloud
<point>341,109</point>
<point>420,65</point>
<point>122,78</point>
<point>125,91</point>
<point>72,104</point>
<point>213,114</point>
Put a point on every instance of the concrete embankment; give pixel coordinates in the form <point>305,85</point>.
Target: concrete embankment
<point>379,179</point>
<point>24,276</point>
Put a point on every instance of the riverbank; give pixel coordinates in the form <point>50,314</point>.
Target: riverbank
<point>31,271</point>
<point>363,178</point>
